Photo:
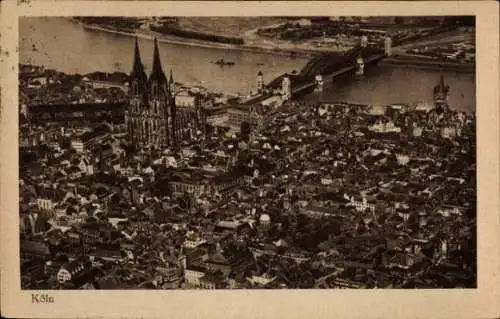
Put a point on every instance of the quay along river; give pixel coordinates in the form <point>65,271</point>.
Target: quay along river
<point>60,44</point>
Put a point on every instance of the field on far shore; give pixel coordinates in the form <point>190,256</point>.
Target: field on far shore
<point>228,26</point>
<point>442,39</point>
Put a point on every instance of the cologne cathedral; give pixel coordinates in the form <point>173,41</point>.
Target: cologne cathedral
<point>153,120</point>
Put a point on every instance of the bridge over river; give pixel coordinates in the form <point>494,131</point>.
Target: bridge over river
<point>329,66</point>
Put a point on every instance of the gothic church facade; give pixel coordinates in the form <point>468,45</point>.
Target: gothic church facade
<point>152,117</point>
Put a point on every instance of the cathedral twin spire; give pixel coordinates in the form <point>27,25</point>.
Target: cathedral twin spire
<point>157,71</point>
<point>157,78</point>
<point>138,77</point>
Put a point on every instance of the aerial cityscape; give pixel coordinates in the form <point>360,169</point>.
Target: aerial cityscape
<point>247,152</point>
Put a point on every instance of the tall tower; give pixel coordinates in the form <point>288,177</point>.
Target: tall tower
<point>318,81</point>
<point>441,94</point>
<point>138,77</point>
<point>172,84</point>
<point>387,45</point>
<point>150,117</point>
<point>157,123</point>
<point>173,111</point>
<point>286,88</point>
<point>360,65</point>
<point>260,82</point>
<point>364,41</point>
<point>137,98</point>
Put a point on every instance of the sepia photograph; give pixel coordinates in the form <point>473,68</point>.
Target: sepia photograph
<point>295,152</point>
<point>247,152</point>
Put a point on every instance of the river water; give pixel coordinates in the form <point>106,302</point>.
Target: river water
<point>68,47</point>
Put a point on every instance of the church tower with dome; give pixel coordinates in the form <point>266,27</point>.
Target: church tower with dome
<point>441,117</point>
<point>441,94</point>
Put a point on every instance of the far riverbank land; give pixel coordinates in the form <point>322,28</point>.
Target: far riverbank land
<point>147,34</point>
<point>279,49</point>
<point>427,64</point>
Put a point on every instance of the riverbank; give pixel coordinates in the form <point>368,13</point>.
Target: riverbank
<point>147,34</point>
<point>426,64</point>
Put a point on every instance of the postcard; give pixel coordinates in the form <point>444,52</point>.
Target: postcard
<point>249,159</point>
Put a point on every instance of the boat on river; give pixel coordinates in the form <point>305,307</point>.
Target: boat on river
<point>223,62</point>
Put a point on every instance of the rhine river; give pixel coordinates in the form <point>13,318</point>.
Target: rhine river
<point>68,47</point>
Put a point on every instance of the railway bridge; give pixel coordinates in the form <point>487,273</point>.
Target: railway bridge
<point>327,66</point>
